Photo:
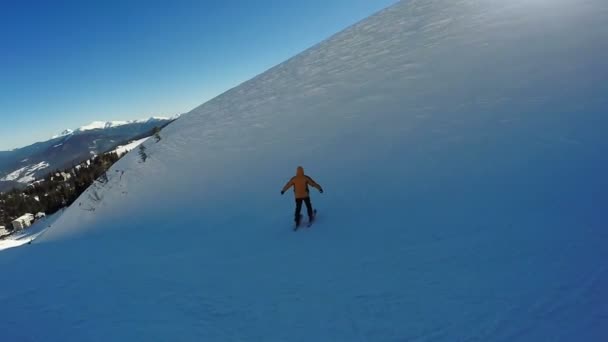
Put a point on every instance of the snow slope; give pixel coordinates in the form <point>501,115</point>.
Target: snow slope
<point>29,234</point>
<point>122,149</point>
<point>461,145</point>
<point>25,174</point>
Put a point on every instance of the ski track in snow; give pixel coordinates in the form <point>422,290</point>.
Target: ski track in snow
<point>443,217</point>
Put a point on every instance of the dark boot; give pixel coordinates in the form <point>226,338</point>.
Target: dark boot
<point>298,221</point>
<point>309,210</point>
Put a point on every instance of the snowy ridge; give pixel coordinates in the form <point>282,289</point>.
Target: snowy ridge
<point>461,146</point>
<point>122,149</point>
<point>63,134</point>
<point>109,124</point>
<point>101,125</point>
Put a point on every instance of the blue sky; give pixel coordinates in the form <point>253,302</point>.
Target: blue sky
<point>65,64</point>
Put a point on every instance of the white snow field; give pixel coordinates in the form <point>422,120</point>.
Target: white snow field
<point>462,148</point>
<point>25,174</point>
<point>122,149</point>
<point>29,234</point>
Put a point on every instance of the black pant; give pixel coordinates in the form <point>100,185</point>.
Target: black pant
<point>299,207</point>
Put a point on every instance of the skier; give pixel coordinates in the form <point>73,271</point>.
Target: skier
<point>300,184</point>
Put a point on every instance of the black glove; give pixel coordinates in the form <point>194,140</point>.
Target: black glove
<point>321,190</point>
<point>282,192</point>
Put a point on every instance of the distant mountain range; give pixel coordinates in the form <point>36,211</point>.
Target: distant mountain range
<point>24,165</point>
<point>110,124</point>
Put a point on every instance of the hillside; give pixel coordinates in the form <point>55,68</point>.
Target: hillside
<point>21,166</point>
<point>461,146</point>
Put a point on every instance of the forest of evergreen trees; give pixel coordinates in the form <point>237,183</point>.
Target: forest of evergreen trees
<point>57,190</point>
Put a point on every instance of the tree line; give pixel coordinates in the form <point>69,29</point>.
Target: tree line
<point>56,190</point>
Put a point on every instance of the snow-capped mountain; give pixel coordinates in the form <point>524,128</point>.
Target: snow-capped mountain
<point>24,165</point>
<point>462,149</point>
<point>109,124</point>
<point>63,134</point>
<point>101,125</point>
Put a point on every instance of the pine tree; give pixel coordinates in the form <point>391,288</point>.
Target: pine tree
<point>142,153</point>
<point>57,193</point>
<point>156,132</point>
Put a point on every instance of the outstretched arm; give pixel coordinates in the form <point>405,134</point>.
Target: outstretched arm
<point>287,186</point>
<point>314,184</point>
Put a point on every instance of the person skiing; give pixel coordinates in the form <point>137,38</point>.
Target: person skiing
<point>300,183</point>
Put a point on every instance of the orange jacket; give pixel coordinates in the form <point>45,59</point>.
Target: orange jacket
<point>300,184</point>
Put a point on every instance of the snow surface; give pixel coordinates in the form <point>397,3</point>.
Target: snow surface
<point>122,149</point>
<point>25,174</point>
<point>461,146</point>
<point>30,233</point>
